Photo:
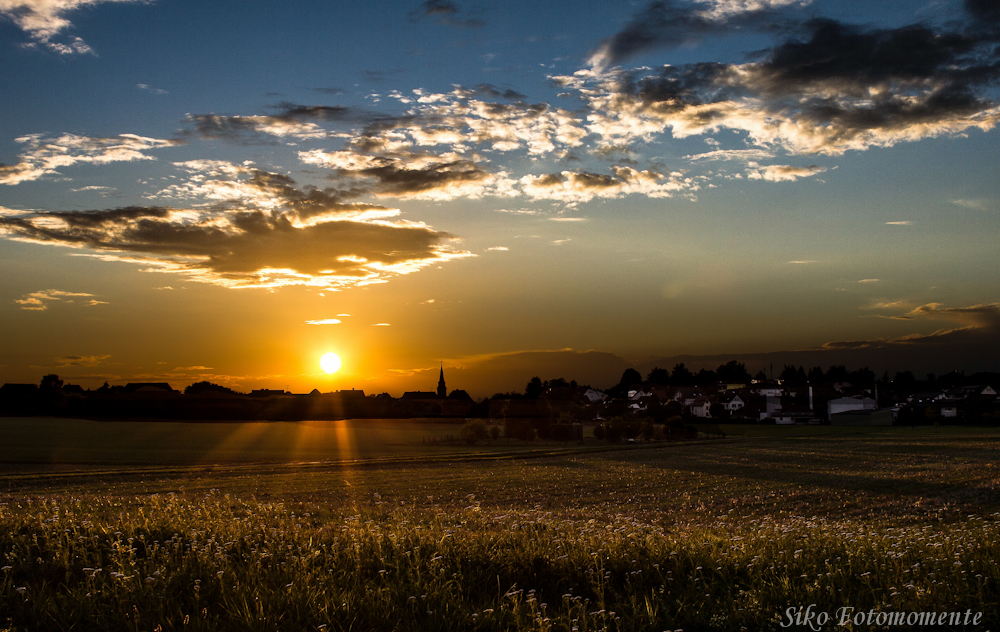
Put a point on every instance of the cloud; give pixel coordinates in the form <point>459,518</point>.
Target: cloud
<point>76,360</point>
<point>324,321</point>
<point>583,186</point>
<point>802,261</point>
<point>978,324</point>
<point>829,88</point>
<point>868,281</point>
<point>781,173</point>
<point>498,248</point>
<point>412,175</point>
<point>249,129</point>
<point>197,367</point>
<point>273,235</point>
<point>39,301</point>
<point>973,204</point>
<point>381,325</point>
<point>732,154</point>
<point>669,24</point>
<point>444,12</point>
<point>44,19</point>
<point>905,222</point>
<point>143,86</point>
<point>45,156</point>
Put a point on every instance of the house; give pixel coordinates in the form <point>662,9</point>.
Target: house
<point>686,395</point>
<point>769,391</point>
<point>594,396</point>
<point>701,407</point>
<point>637,394</point>
<point>734,403</point>
<point>925,397</point>
<point>845,404</point>
<point>964,392</point>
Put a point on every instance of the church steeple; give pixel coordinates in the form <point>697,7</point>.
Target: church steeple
<point>442,389</point>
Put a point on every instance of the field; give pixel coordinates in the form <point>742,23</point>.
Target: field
<point>724,534</point>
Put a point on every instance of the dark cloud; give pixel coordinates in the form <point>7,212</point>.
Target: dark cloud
<point>978,324</point>
<point>330,91</point>
<point>406,174</point>
<point>668,24</point>
<point>984,9</point>
<point>311,239</point>
<point>444,12</point>
<point>492,91</point>
<point>836,87</point>
<point>397,180</point>
<point>288,119</point>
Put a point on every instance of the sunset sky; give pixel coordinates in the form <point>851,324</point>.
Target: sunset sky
<point>226,191</point>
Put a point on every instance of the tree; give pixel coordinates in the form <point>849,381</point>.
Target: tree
<point>630,377</point>
<point>534,388</point>
<point>658,376</point>
<point>789,375</point>
<point>51,382</point>
<point>208,387</point>
<point>705,378</point>
<point>681,376</point>
<point>837,373</point>
<point>733,372</point>
<point>761,377</point>
<point>815,375</point>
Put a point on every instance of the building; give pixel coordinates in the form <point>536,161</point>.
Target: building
<point>442,389</point>
<point>845,404</point>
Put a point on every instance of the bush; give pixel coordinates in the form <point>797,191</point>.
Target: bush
<point>474,431</point>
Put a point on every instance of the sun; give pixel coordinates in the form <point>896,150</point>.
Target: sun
<point>330,362</point>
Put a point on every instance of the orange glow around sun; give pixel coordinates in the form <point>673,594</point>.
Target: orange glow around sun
<point>330,362</point>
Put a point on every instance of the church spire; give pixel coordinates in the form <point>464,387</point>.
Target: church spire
<point>442,389</point>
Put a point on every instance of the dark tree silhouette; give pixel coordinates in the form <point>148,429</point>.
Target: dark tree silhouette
<point>733,372</point>
<point>680,376</point>
<point>50,382</point>
<point>534,388</point>
<point>658,376</point>
<point>630,377</point>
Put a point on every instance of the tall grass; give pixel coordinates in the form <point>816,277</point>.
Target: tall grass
<point>218,562</point>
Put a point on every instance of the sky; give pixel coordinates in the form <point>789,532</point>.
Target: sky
<point>226,191</point>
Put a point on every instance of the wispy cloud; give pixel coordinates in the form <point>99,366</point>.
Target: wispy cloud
<point>77,360</point>
<point>977,324</point>
<point>444,12</point>
<point>978,205</point>
<point>42,20</point>
<point>147,88</point>
<point>782,173</point>
<point>40,301</point>
<point>324,321</point>
<point>44,156</point>
<point>381,325</point>
<point>900,223</point>
<point>868,281</point>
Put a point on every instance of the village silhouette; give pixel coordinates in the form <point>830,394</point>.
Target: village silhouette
<point>662,405</point>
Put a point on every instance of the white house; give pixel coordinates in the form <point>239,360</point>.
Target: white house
<point>733,403</point>
<point>594,396</point>
<point>701,407</point>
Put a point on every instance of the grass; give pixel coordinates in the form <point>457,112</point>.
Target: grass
<point>78,441</point>
<point>716,535</point>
